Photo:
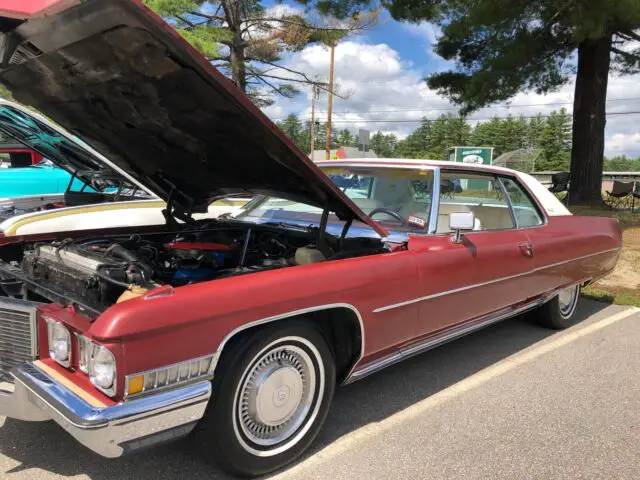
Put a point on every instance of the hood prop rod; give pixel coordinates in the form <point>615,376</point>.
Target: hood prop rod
<point>344,232</point>
<point>322,241</point>
<point>174,211</point>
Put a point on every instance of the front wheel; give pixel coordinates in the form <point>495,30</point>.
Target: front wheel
<point>271,397</point>
<point>558,312</point>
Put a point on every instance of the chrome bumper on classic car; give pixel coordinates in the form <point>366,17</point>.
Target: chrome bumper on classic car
<point>110,431</point>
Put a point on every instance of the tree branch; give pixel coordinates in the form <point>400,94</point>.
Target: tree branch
<point>184,20</point>
<point>273,87</point>
<point>208,17</point>
<point>297,23</point>
<point>629,55</point>
<point>630,35</point>
<point>307,79</point>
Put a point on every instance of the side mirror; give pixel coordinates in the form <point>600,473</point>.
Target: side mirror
<point>461,222</point>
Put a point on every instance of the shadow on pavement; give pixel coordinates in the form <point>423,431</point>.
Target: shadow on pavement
<point>47,447</point>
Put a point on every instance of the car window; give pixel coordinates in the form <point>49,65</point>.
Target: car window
<point>399,198</point>
<point>477,193</point>
<point>524,209</point>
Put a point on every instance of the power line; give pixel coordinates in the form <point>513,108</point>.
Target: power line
<point>457,108</point>
<point>467,119</point>
<point>493,106</point>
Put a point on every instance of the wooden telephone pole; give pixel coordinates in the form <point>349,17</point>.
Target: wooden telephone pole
<point>314,96</point>
<point>330,104</point>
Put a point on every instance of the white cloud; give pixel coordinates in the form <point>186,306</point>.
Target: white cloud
<point>425,30</point>
<point>281,10</point>
<point>623,143</point>
<point>384,88</point>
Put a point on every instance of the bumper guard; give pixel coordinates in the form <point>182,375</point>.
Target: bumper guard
<point>110,431</point>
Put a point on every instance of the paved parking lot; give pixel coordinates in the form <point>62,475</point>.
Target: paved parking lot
<point>512,401</point>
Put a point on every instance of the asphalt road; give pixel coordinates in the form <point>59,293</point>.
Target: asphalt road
<point>512,401</point>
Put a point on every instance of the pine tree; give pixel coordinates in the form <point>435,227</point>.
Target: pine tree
<point>383,145</point>
<point>535,132</point>
<point>556,142</point>
<point>346,139</point>
<point>417,143</point>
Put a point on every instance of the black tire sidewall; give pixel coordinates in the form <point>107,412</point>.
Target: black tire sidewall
<point>551,314</point>
<point>225,446</point>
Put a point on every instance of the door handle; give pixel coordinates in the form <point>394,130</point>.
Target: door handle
<point>526,249</point>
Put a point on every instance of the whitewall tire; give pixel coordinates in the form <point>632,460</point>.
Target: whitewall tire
<point>559,312</point>
<point>271,397</point>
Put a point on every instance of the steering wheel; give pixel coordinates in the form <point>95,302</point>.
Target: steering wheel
<point>389,212</point>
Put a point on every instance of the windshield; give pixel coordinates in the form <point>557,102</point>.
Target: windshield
<point>391,195</point>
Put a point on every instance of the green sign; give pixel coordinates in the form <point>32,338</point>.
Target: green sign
<point>472,155</point>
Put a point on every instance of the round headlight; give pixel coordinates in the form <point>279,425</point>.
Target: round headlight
<point>59,343</point>
<point>102,370</point>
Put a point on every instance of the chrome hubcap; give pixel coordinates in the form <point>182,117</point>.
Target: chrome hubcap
<point>276,396</point>
<point>567,299</point>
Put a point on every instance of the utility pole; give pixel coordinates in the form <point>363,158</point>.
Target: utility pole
<point>314,95</point>
<point>330,105</point>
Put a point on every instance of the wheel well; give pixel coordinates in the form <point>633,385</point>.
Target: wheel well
<point>341,327</point>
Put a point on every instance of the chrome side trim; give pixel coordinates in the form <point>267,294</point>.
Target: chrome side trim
<point>414,166</point>
<point>505,192</point>
<point>295,313</point>
<point>435,203</point>
<point>429,343</point>
<point>497,280</point>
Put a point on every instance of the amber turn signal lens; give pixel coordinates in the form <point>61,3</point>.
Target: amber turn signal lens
<point>135,384</point>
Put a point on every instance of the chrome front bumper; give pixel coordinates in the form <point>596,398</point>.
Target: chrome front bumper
<point>110,431</point>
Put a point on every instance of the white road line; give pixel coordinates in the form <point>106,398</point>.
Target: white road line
<point>350,440</point>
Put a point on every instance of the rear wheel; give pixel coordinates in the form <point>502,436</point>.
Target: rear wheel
<point>558,313</point>
<point>271,397</point>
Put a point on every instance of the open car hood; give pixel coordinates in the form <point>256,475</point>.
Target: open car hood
<point>117,76</point>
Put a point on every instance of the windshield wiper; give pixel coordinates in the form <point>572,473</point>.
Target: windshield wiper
<point>300,228</point>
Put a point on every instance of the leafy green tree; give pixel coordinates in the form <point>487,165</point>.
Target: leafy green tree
<point>502,47</point>
<point>293,128</point>
<point>416,143</point>
<point>346,139</point>
<point>535,131</point>
<point>622,163</point>
<point>556,142</point>
<point>489,134</point>
<point>383,145</point>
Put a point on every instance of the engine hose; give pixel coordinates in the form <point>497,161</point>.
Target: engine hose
<point>107,278</point>
<point>122,253</point>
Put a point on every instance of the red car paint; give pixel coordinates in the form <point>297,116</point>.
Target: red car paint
<point>20,9</point>
<point>36,158</point>
<point>194,319</point>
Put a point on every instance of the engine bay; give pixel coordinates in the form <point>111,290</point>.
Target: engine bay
<point>95,273</point>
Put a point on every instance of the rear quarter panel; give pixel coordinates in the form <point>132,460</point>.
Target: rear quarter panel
<point>571,249</point>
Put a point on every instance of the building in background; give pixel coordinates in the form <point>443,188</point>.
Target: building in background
<point>343,153</point>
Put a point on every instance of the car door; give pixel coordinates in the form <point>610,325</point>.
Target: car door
<point>564,251</point>
<point>485,273</point>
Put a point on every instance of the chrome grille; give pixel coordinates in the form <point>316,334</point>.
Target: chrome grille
<point>18,334</point>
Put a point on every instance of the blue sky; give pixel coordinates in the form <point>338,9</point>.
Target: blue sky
<point>381,75</point>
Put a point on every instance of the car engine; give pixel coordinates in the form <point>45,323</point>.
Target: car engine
<point>102,271</point>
